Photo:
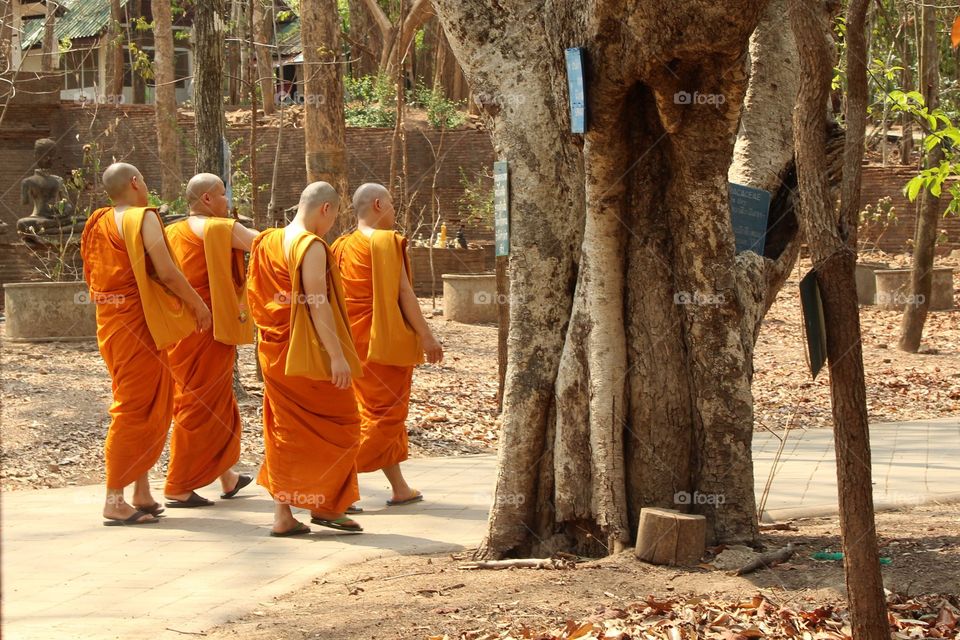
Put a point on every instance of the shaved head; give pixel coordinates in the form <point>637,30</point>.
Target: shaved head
<point>200,185</point>
<point>317,195</point>
<point>116,179</point>
<point>365,196</point>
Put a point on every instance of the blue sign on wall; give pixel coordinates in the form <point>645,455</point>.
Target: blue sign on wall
<point>578,97</point>
<point>501,208</point>
<point>749,209</point>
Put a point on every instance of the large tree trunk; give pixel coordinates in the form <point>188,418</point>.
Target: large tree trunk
<point>263,24</point>
<point>630,350</point>
<point>366,41</point>
<point>832,240</point>
<point>324,126</point>
<point>208,21</point>
<point>168,143</point>
<point>925,239</point>
<point>114,49</point>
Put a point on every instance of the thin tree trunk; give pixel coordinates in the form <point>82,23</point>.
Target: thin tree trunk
<point>208,21</point>
<point>114,49</point>
<point>263,25</point>
<point>906,84</point>
<point>49,50</point>
<point>139,84</point>
<point>833,248</point>
<point>252,87</point>
<point>168,143</point>
<point>324,126</point>
<point>925,239</point>
<point>366,41</point>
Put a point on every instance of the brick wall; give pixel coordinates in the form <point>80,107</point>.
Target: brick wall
<point>444,261</point>
<point>879,182</point>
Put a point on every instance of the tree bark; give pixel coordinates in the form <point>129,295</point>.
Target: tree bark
<point>263,24</point>
<point>49,49</point>
<point>138,82</point>
<point>208,23</point>
<point>366,41</point>
<point>906,84</point>
<point>324,126</point>
<point>168,143</point>
<point>832,241</point>
<point>619,394</point>
<point>925,238</point>
<point>114,49</point>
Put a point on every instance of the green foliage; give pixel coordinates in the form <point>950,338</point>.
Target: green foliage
<point>371,101</point>
<point>939,132</point>
<point>477,201</point>
<point>441,112</point>
<point>142,63</point>
<point>65,45</point>
<point>418,39</point>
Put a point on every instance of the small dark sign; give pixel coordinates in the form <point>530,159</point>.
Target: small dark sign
<point>814,324</point>
<point>749,209</point>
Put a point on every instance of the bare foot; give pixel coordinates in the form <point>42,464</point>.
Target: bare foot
<point>229,480</point>
<point>117,510</point>
<point>404,496</point>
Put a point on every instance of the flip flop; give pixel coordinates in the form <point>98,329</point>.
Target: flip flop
<point>298,530</point>
<point>354,509</point>
<point>193,501</point>
<point>398,503</point>
<point>132,520</point>
<point>154,510</point>
<point>339,524</point>
<point>242,481</point>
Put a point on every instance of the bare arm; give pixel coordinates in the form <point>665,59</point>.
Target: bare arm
<point>168,273</point>
<point>410,307</point>
<point>313,272</point>
<point>243,237</point>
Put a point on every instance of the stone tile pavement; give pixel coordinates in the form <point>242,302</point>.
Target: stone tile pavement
<point>67,576</point>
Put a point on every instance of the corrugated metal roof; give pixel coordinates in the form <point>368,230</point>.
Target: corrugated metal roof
<point>288,38</point>
<point>81,19</point>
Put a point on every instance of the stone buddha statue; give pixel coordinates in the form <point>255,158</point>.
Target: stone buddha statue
<point>46,193</point>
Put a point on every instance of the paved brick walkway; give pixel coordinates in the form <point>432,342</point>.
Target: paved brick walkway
<point>66,576</point>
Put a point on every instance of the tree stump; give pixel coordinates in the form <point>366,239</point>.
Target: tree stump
<point>669,537</point>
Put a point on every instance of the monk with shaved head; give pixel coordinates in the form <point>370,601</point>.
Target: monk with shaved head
<point>144,305</point>
<point>205,443</point>
<point>310,422</point>
<point>390,332</point>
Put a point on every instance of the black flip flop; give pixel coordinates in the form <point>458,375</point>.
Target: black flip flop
<point>354,509</point>
<point>154,510</point>
<point>298,530</point>
<point>337,524</point>
<point>242,481</point>
<point>398,503</point>
<point>193,501</point>
<point>132,520</point>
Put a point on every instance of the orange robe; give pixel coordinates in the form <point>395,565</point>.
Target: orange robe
<point>310,428</point>
<point>136,320</point>
<point>205,441</point>
<point>387,346</point>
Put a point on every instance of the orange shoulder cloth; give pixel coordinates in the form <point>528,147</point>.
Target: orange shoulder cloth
<point>306,355</point>
<point>167,316</point>
<point>392,341</point>
<point>228,292</point>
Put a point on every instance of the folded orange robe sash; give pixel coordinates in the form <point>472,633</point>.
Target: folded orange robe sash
<point>205,441</point>
<point>310,428</point>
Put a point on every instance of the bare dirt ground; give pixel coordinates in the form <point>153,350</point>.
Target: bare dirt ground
<point>620,597</point>
<point>55,396</point>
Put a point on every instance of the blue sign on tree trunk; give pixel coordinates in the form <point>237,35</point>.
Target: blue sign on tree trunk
<point>578,97</point>
<point>501,208</point>
<point>749,209</point>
